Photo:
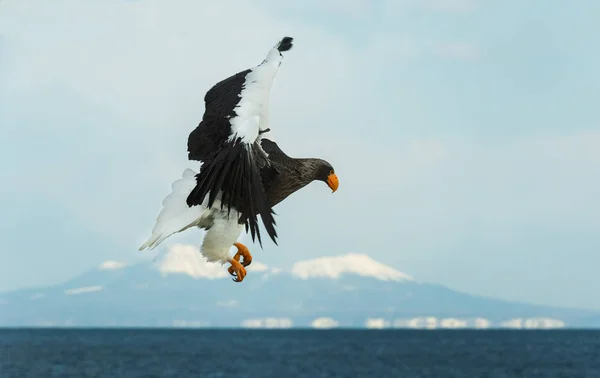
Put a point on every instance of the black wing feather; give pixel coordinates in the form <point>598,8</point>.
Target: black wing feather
<point>215,128</point>
<point>235,171</point>
<point>231,167</point>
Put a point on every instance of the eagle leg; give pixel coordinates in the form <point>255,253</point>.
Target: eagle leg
<point>237,270</point>
<point>243,252</point>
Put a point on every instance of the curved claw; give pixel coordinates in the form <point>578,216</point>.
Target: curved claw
<point>242,252</point>
<point>237,270</point>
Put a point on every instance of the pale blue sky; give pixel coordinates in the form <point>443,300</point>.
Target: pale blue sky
<point>466,133</point>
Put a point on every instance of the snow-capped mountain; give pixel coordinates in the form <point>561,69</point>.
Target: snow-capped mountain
<point>353,290</point>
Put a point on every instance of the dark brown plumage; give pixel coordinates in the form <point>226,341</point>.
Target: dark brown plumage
<point>287,175</point>
<point>240,160</point>
<point>243,172</point>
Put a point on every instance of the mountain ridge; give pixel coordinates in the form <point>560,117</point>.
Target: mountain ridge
<point>349,291</point>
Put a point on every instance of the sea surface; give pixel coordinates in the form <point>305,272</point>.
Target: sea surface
<point>182,353</point>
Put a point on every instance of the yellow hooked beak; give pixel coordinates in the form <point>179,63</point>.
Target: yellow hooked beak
<point>332,182</point>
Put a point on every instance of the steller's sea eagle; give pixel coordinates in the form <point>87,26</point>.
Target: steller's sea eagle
<point>243,172</point>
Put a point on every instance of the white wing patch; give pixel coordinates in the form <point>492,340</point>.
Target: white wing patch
<point>253,108</point>
<point>245,128</point>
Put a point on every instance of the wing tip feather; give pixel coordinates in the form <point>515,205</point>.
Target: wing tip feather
<point>285,44</point>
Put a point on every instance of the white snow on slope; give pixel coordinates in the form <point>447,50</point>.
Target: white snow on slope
<point>334,267</point>
<point>186,259</point>
<point>83,290</point>
<point>111,265</point>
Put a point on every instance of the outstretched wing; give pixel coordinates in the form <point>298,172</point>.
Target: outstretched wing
<point>227,143</point>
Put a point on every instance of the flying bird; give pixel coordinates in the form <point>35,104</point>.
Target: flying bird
<point>243,172</point>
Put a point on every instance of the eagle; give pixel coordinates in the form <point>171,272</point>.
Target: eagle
<point>243,173</point>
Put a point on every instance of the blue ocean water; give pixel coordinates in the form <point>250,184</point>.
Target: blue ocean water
<point>297,353</point>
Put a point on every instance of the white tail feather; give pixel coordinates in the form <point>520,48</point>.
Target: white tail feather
<point>176,215</point>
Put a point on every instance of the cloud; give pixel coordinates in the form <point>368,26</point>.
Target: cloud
<point>376,323</point>
<point>190,323</point>
<point>482,323</point>
<point>334,267</point>
<point>83,290</point>
<point>422,322</point>
<point>268,323</point>
<point>324,323</point>
<point>111,265</point>
<point>533,323</point>
<point>257,267</point>
<point>432,322</point>
<point>453,323</point>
